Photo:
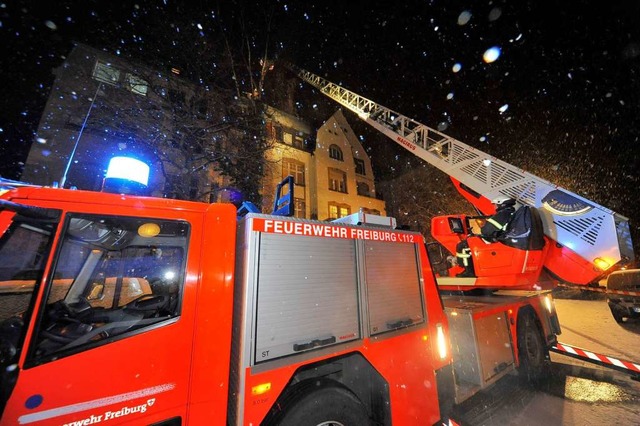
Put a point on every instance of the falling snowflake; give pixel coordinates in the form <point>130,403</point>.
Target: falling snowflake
<point>495,14</point>
<point>464,17</point>
<point>492,54</point>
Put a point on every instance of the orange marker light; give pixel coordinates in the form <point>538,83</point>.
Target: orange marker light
<point>601,264</point>
<point>260,389</point>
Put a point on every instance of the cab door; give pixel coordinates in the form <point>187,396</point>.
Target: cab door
<point>112,328</point>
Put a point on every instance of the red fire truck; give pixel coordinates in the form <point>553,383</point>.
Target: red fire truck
<point>121,309</point>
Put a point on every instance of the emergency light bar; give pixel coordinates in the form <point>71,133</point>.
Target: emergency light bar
<point>126,175</point>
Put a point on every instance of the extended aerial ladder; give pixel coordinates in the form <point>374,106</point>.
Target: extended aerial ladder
<point>588,239</point>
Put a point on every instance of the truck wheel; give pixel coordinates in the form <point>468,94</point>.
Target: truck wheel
<point>329,406</point>
<point>616,314</point>
<point>531,349</point>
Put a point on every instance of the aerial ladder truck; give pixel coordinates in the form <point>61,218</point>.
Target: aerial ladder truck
<point>583,241</point>
<point>117,308</point>
<point>123,309</point>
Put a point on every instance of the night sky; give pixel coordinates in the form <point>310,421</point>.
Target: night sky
<point>562,100</point>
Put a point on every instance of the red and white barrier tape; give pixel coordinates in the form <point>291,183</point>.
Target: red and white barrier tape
<point>604,360</point>
<point>601,290</point>
<point>626,293</point>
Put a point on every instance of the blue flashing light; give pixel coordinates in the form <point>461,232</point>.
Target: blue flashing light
<point>129,169</point>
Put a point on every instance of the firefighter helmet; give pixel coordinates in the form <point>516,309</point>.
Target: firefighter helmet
<point>502,201</point>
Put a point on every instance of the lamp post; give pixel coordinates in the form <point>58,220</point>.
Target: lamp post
<point>63,180</point>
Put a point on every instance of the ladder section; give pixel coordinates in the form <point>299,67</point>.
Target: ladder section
<point>588,229</point>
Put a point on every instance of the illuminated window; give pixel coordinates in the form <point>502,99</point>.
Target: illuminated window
<point>337,180</point>
<point>337,210</point>
<point>136,84</point>
<point>360,169</point>
<point>106,73</point>
<point>336,153</point>
<point>300,208</point>
<point>287,138</point>
<point>294,168</point>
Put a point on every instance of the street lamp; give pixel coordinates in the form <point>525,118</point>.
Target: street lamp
<point>63,180</point>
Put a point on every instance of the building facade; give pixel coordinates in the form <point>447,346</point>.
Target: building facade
<point>102,106</point>
<point>332,173</point>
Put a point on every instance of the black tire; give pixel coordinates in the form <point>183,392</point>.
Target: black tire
<point>531,349</point>
<point>326,406</point>
<point>616,315</point>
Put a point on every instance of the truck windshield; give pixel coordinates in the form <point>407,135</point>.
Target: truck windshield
<point>24,249</point>
<point>111,275</point>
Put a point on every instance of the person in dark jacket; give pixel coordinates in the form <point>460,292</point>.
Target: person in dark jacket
<point>492,228</point>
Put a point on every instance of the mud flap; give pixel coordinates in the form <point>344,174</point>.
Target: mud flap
<point>446,391</point>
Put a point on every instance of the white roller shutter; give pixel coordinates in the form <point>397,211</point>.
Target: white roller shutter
<point>393,286</point>
<point>307,294</point>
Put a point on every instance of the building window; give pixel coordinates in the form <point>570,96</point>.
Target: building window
<point>271,130</point>
<point>360,169</point>
<point>287,138</point>
<point>335,152</point>
<point>337,180</point>
<point>363,189</point>
<point>105,73</point>
<point>370,211</point>
<point>299,208</point>
<point>339,210</point>
<point>294,168</point>
<point>136,85</point>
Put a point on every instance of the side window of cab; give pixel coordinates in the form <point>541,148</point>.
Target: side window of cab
<point>113,276</point>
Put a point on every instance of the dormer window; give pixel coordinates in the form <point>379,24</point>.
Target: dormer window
<point>336,153</point>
